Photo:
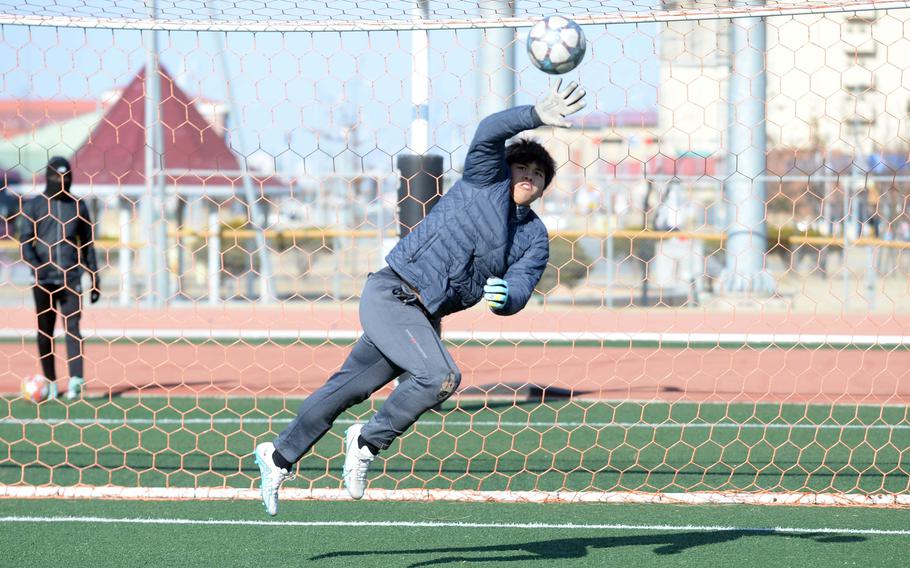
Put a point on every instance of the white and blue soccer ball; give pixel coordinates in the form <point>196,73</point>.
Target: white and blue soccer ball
<point>556,45</point>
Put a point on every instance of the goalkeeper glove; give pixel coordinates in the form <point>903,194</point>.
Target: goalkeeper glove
<point>496,293</point>
<point>556,106</point>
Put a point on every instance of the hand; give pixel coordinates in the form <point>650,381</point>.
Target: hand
<point>556,106</point>
<point>95,294</point>
<point>496,293</point>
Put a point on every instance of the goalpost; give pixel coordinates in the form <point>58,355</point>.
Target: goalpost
<point>723,318</point>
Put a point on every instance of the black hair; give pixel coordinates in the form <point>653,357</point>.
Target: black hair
<point>524,151</point>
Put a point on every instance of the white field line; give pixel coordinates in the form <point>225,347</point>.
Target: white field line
<point>454,525</point>
<point>669,339</point>
<point>295,494</point>
<point>458,423</point>
<point>494,397</point>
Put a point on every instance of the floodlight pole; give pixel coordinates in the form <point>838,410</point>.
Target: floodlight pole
<point>420,82</point>
<point>420,184</point>
<point>747,144</point>
<point>496,89</point>
<point>125,260</point>
<point>153,203</point>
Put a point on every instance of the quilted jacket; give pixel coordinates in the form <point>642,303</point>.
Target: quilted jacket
<point>475,231</point>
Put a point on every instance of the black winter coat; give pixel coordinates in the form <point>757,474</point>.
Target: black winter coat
<point>56,237</point>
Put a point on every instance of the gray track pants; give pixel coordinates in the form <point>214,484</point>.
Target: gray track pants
<point>398,337</point>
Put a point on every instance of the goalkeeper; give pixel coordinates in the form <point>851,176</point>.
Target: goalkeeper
<point>480,241</point>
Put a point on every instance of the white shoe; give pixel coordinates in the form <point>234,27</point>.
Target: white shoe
<point>272,477</point>
<point>357,462</point>
<point>75,388</point>
<point>52,390</point>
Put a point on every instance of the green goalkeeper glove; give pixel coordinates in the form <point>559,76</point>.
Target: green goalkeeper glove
<point>496,293</point>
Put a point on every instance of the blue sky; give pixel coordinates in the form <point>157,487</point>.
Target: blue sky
<point>306,87</point>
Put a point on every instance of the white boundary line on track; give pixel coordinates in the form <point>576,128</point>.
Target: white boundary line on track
<point>668,339</point>
<point>428,495</point>
<point>459,525</point>
<point>463,423</point>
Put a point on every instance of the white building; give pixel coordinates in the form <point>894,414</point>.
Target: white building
<point>838,80</point>
<point>691,97</point>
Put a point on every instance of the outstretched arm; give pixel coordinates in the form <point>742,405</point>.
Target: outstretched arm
<point>485,162</point>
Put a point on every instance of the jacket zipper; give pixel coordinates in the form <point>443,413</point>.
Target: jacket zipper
<point>59,222</point>
<point>424,247</point>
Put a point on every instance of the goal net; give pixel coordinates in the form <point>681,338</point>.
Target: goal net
<point>723,317</point>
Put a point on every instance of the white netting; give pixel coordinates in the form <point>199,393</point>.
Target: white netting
<point>676,344</point>
<point>344,15</point>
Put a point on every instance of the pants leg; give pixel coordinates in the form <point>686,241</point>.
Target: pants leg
<point>404,333</point>
<point>47,317</point>
<point>398,337</point>
<point>69,303</point>
<point>364,372</point>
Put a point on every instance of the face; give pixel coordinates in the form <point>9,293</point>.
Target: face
<point>58,178</point>
<point>527,183</point>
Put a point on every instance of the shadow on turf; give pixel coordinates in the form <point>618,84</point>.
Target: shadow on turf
<point>566,548</point>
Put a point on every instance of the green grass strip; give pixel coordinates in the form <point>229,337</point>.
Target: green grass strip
<point>357,534</point>
<point>471,445</point>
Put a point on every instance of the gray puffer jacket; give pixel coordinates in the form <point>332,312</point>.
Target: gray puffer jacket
<point>475,231</point>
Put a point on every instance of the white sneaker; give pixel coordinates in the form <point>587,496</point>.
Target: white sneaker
<point>52,390</point>
<point>272,477</point>
<point>357,462</point>
<point>75,388</point>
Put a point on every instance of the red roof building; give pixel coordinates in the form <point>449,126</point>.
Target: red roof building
<point>196,159</point>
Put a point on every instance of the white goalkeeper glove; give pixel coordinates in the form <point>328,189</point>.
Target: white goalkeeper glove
<point>496,293</point>
<point>557,105</point>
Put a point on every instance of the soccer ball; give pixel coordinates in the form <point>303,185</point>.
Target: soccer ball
<point>35,388</point>
<point>556,45</point>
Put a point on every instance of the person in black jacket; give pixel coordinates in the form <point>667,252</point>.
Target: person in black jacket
<point>56,237</point>
<point>481,241</point>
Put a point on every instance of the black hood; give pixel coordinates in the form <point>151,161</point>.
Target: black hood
<point>58,178</point>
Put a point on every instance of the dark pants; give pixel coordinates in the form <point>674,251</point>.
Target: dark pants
<point>398,338</point>
<point>50,300</point>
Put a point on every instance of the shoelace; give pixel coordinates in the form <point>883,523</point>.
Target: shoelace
<point>286,476</point>
<point>276,475</point>
<point>363,465</point>
<point>282,477</point>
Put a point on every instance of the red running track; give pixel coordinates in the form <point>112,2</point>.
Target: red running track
<point>722,375</point>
